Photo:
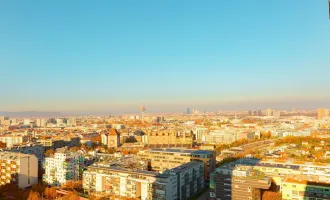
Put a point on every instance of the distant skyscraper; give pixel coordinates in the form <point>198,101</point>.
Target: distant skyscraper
<point>41,122</point>
<point>268,112</point>
<point>188,111</point>
<point>322,113</point>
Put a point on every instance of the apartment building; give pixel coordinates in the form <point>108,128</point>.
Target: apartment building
<point>304,189</point>
<point>19,169</point>
<point>237,182</point>
<point>221,137</point>
<point>278,170</point>
<point>62,167</point>
<point>117,182</point>
<point>190,178</point>
<point>12,140</point>
<point>163,159</point>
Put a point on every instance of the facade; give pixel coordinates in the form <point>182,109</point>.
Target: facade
<point>3,119</point>
<point>168,138</point>
<point>200,132</point>
<point>322,113</point>
<point>12,140</point>
<point>19,169</point>
<point>62,167</point>
<point>120,182</point>
<point>72,121</point>
<point>299,189</point>
<point>269,112</point>
<point>234,182</point>
<point>41,122</point>
<point>111,139</point>
<point>163,159</point>
<point>220,137</point>
<point>190,178</point>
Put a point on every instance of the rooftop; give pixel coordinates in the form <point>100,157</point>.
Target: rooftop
<point>12,155</point>
<point>186,151</point>
<point>184,167</point>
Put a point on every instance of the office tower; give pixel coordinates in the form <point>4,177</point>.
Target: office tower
<point>250,112</point>
<point>63,166</point>
<point>188,111</point>
<point>41,122</point>
<point>322,113</point>
<point>19,169</point>
<point>268,112</point>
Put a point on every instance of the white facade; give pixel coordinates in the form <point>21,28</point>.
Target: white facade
<point>12,140</point>
<point>128,183</point>
<point>62,167</point>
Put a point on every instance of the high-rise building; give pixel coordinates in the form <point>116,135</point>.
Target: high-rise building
<point>188,111</point>
<point>322,113</point>
<point>62,167</point>
<point>41,122</point>
<point>268,112</point>
<point>19,169</point>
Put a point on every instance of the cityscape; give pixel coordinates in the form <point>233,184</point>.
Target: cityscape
<point>165,100</point>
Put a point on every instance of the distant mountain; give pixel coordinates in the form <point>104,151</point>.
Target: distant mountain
<point>30,114</point>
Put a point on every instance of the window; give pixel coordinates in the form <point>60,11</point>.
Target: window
<point>294,186</point>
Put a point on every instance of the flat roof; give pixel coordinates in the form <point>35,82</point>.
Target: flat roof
<point>174,150</point>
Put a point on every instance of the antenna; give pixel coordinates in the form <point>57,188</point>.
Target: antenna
<point>143,108</point>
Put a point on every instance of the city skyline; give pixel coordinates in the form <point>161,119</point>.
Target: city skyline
<point>114,57</point>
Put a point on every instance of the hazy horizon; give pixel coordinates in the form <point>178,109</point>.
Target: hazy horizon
<point>114,56</point>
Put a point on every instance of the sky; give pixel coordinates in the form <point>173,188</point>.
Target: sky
<point>114,56</point>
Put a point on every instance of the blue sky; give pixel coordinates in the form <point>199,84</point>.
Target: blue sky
<point>113,56</point>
